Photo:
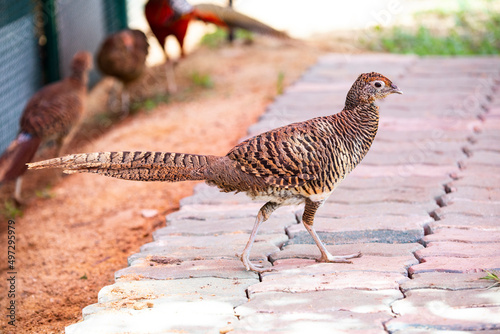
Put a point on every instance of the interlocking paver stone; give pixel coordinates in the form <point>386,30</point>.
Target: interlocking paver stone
<point>467,236</point>
<point>490,194</point>
<point>338,210</point>
<point>471,208</point>
<point>448,221</point>
<point>358,301</point>
<point>319,277</point>
<point>446,281</point>
<point>457,249</point>
<point>299,323</point>
<point>160,268</point>
<point>309,251</point>
<point>366,263</point>
<point>384,229</point>
<point>387,194</point>
<point>210,247</point>
<point>453,310</point>
<point>456,264</point>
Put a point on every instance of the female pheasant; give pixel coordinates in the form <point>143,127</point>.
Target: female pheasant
<point>123,55</point>
<point>52,113</point>
<point>299,163</point>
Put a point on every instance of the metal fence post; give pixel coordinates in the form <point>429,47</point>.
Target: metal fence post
<point>50,58</point>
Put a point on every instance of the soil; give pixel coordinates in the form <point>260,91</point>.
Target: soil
<point>76,231</point>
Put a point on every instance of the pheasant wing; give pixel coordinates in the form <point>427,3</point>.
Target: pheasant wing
<point>285,157</point>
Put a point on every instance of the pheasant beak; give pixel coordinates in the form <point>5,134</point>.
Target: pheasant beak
<point>395,89</point>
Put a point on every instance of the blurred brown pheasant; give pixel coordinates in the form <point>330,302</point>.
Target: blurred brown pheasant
<point>172,17</point>
<point>51,113</point>
<point>298,163</point>
<point>123,56</point>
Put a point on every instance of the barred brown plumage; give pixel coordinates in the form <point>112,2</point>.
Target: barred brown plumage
<point>123,55</point>
<point>52,113</point>
<point>299,163</point>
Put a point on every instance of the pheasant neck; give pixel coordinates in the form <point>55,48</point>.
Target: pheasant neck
<point>362,125</point>
<point>80,77</point>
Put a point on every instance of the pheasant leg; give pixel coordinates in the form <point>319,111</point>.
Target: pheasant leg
<point>17,192</point>
<point>125,105</point>
<point>308,220</point>
<point>262,216</point>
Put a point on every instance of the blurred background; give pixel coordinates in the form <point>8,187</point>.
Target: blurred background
<point>39,37</point>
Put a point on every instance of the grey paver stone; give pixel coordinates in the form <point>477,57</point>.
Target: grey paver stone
<point>485,158</point>
<point>484,144</point>
<point>456,265</point>
<point>402,171</point>
<point>471,208</point>
<point>365,263</point>
<point>309,251</point>
<point>399,194</point>
<point>475,194</point>
<point>401,181</point>
<point>338,210</point>
<point>157,268</point>
<point>163,317</point>
<point>446,281</point>
<point>384,229</point>
<point>299,323</point>
<point>447,299</point>
<point>442,309</point>
<point>188,290</point>
<point>448,319</point>
<point>482,179</point>
<point>415,155</point>
<point>210,247</point>
<point>361,236</point>
<point>461,235</point>
<point>205,212</point>
<point>293,280</point>
<point>358,301</point>
<point>197,227</point>
<point>459,221</point>
<point>458,249</point>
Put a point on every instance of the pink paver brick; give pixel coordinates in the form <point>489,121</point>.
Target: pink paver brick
<point>464,235</point>
<point>456,265</point>
<point>458,249</point>
<point>295,281</point>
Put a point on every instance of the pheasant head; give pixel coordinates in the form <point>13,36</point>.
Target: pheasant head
<point>370,87</point>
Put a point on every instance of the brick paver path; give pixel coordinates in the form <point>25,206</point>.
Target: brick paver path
<point>423,207</point>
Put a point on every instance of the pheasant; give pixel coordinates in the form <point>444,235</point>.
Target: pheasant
<point>299,163</point>
<point>172,17</point>
<point>122,55</point>
<point>51,113</point>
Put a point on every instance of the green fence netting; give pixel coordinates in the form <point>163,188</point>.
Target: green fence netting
<point>38,39</point>
<point>20,74</point>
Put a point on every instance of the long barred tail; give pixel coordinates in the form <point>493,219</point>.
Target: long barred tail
<point>225,16</point>
<point>138,166</point>
<point>20,151</point>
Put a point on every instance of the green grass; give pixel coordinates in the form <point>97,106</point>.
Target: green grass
<point>467,32</point>
<point>280,86</point>
<point>219,37</point>
<point>149,104</point>
<point>45,193</point>
<point>11,210</point>
<point>202,80</point>
<point>493,277</point>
